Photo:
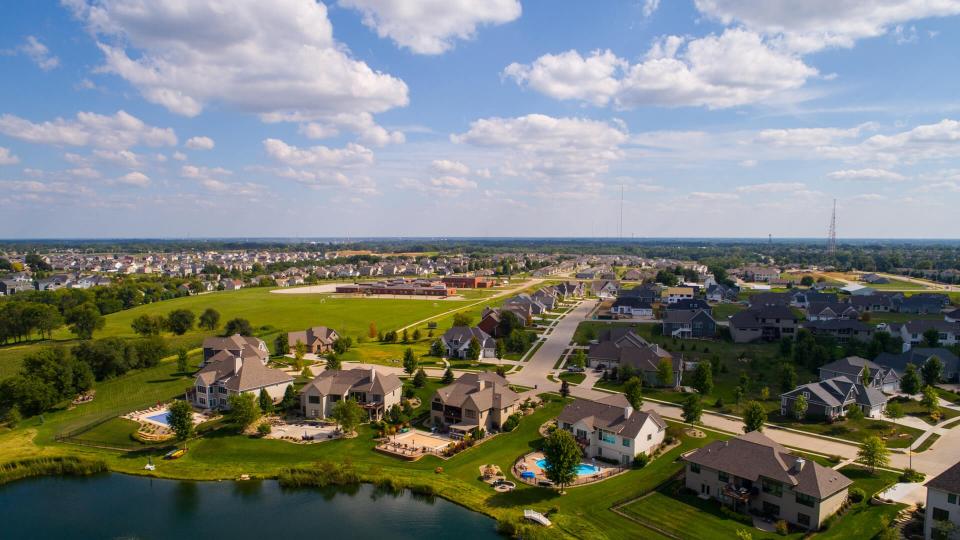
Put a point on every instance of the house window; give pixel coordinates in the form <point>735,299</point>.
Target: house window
<point>626,442</point>
<point>771,487</point>
<point>771,509</point>
<point>649,436</point>
<point>203,401</point>
<point>469,413</point>
<point>939,514</point>
<point>803,519</point>
<point>607,437</point>
<point>436,406</point>
<point>221,390</point>
<point>695,468</point>
<point>315,400</point>
<point>201,390</point>
<point>805,500</point>
<point>723,477</point>
<point>952,498</point>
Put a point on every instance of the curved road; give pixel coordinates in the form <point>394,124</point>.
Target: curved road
<point>534,372</point>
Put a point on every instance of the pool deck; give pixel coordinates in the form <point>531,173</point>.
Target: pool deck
<point>415,444</point>
<point>528,463</point>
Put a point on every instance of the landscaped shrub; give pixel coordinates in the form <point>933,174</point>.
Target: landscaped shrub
<point>640,461</point>
<point>736,516</point>
<point>856,495</point>
<point>512,422</point>
<point>912,475</point>
<point>264,429</point>
<point>782,528</point>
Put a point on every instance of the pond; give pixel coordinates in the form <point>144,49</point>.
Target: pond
<point>120,506</point>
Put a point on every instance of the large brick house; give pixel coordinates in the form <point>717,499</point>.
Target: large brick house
<point>318,340</point>
<point>475,400</point>
<point>375,392</point>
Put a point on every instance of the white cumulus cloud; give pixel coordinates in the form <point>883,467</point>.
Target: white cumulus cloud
<point>737,67</point>
<point>119,131</point>
<point>7,157</point>
<point>39,54</point>
<point>200,143</point>
<point>274,58</point>
<point>879,175</point>
<point>135,179</point>
<point>432,26</point>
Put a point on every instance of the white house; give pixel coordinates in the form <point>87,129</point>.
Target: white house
<point>456,342</point>
<point>943,504</point>
<point>610,429</point>
<point>629,306</point>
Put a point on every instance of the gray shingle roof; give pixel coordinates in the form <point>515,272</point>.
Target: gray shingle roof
<point>754,455</point>
<point>608,414</point>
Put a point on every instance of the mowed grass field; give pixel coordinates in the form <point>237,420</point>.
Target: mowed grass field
<point>268,313</point>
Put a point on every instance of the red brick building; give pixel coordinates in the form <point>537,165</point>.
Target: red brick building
<point>468,282</point>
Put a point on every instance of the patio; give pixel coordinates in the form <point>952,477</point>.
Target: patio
<point>304,432</point>
<point>153,424</point>
<point>415,444</point>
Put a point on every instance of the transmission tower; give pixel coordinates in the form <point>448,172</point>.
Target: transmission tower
<point>832,235</point>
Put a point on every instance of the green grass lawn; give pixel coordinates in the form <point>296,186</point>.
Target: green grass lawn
<point>269,313</point>
<point>686,516</point>
<point>877,318</point>
<point>573,378</point>
<point>897,285</point>
<point>916,409</point>
<point>927,443</point>
<point>117,432</point>
<point>722,312</point>
<point>896,436</point>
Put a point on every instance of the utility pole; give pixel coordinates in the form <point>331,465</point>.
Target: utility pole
<point>832,235</point>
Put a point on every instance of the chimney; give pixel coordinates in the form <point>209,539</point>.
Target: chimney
<point>481,384</point>
<point>798,464</point>
<point>237,363</point>
<point>373,374</point>
<point>627,411</point>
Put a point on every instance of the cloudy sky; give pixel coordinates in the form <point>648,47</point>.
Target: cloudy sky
<point>171,118</point>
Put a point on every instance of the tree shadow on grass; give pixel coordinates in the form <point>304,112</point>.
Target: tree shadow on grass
<point>522,497</point>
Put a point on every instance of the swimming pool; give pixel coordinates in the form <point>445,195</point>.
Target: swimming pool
<point>160,418</point>
<point>583,469</point>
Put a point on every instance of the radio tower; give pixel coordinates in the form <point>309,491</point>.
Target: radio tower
<point>832,237</point>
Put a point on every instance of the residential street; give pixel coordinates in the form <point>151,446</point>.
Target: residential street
<point>534,373</point>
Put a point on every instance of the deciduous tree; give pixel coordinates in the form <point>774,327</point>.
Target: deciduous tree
<point>753,417</point>
<point>563,456</point>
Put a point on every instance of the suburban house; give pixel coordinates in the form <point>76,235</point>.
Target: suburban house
<point>688,323</point>
<point>674,294</point>
<point>232,284</point>
<point>842,330</point>
<point>924,303</point>
<point>721,293</point>
<point>546,296</point>
<point>918,356</point>
<point>827,311</point>
<point>767,299</point>
<point>885,379</point>
<point>456,342</point>
<point>760,273</point>
<point>874,303</point>
<point>474,400</point>
<point>319,339</point>
<point>610,429</point>
<point>912,331</point>
<point>526,303</point>
<point>632,306</point>
<point>953,316</point>
<point>943,504</point>
<point>569,290</point>
<point>752,472</point>
<point>375,392</point>
<point>226,374</point>
<point>633,275</point>
<point>769,323</point>
<point>235,345</point>
<point>690,304</point>
<point>604,289</point>
<point>621,347</point>
<point>804,298</point>
<point>490,320</point>
<point>829,398</point>
<point>646,293</point>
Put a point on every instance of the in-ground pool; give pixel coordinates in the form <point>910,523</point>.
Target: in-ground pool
<point>583,469</point>
<point>160,418</point>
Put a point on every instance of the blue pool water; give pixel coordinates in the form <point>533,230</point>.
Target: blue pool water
<point>583,469</point>
<point>161,418</point>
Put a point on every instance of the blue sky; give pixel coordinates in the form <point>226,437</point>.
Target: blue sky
<point>123,118</point>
